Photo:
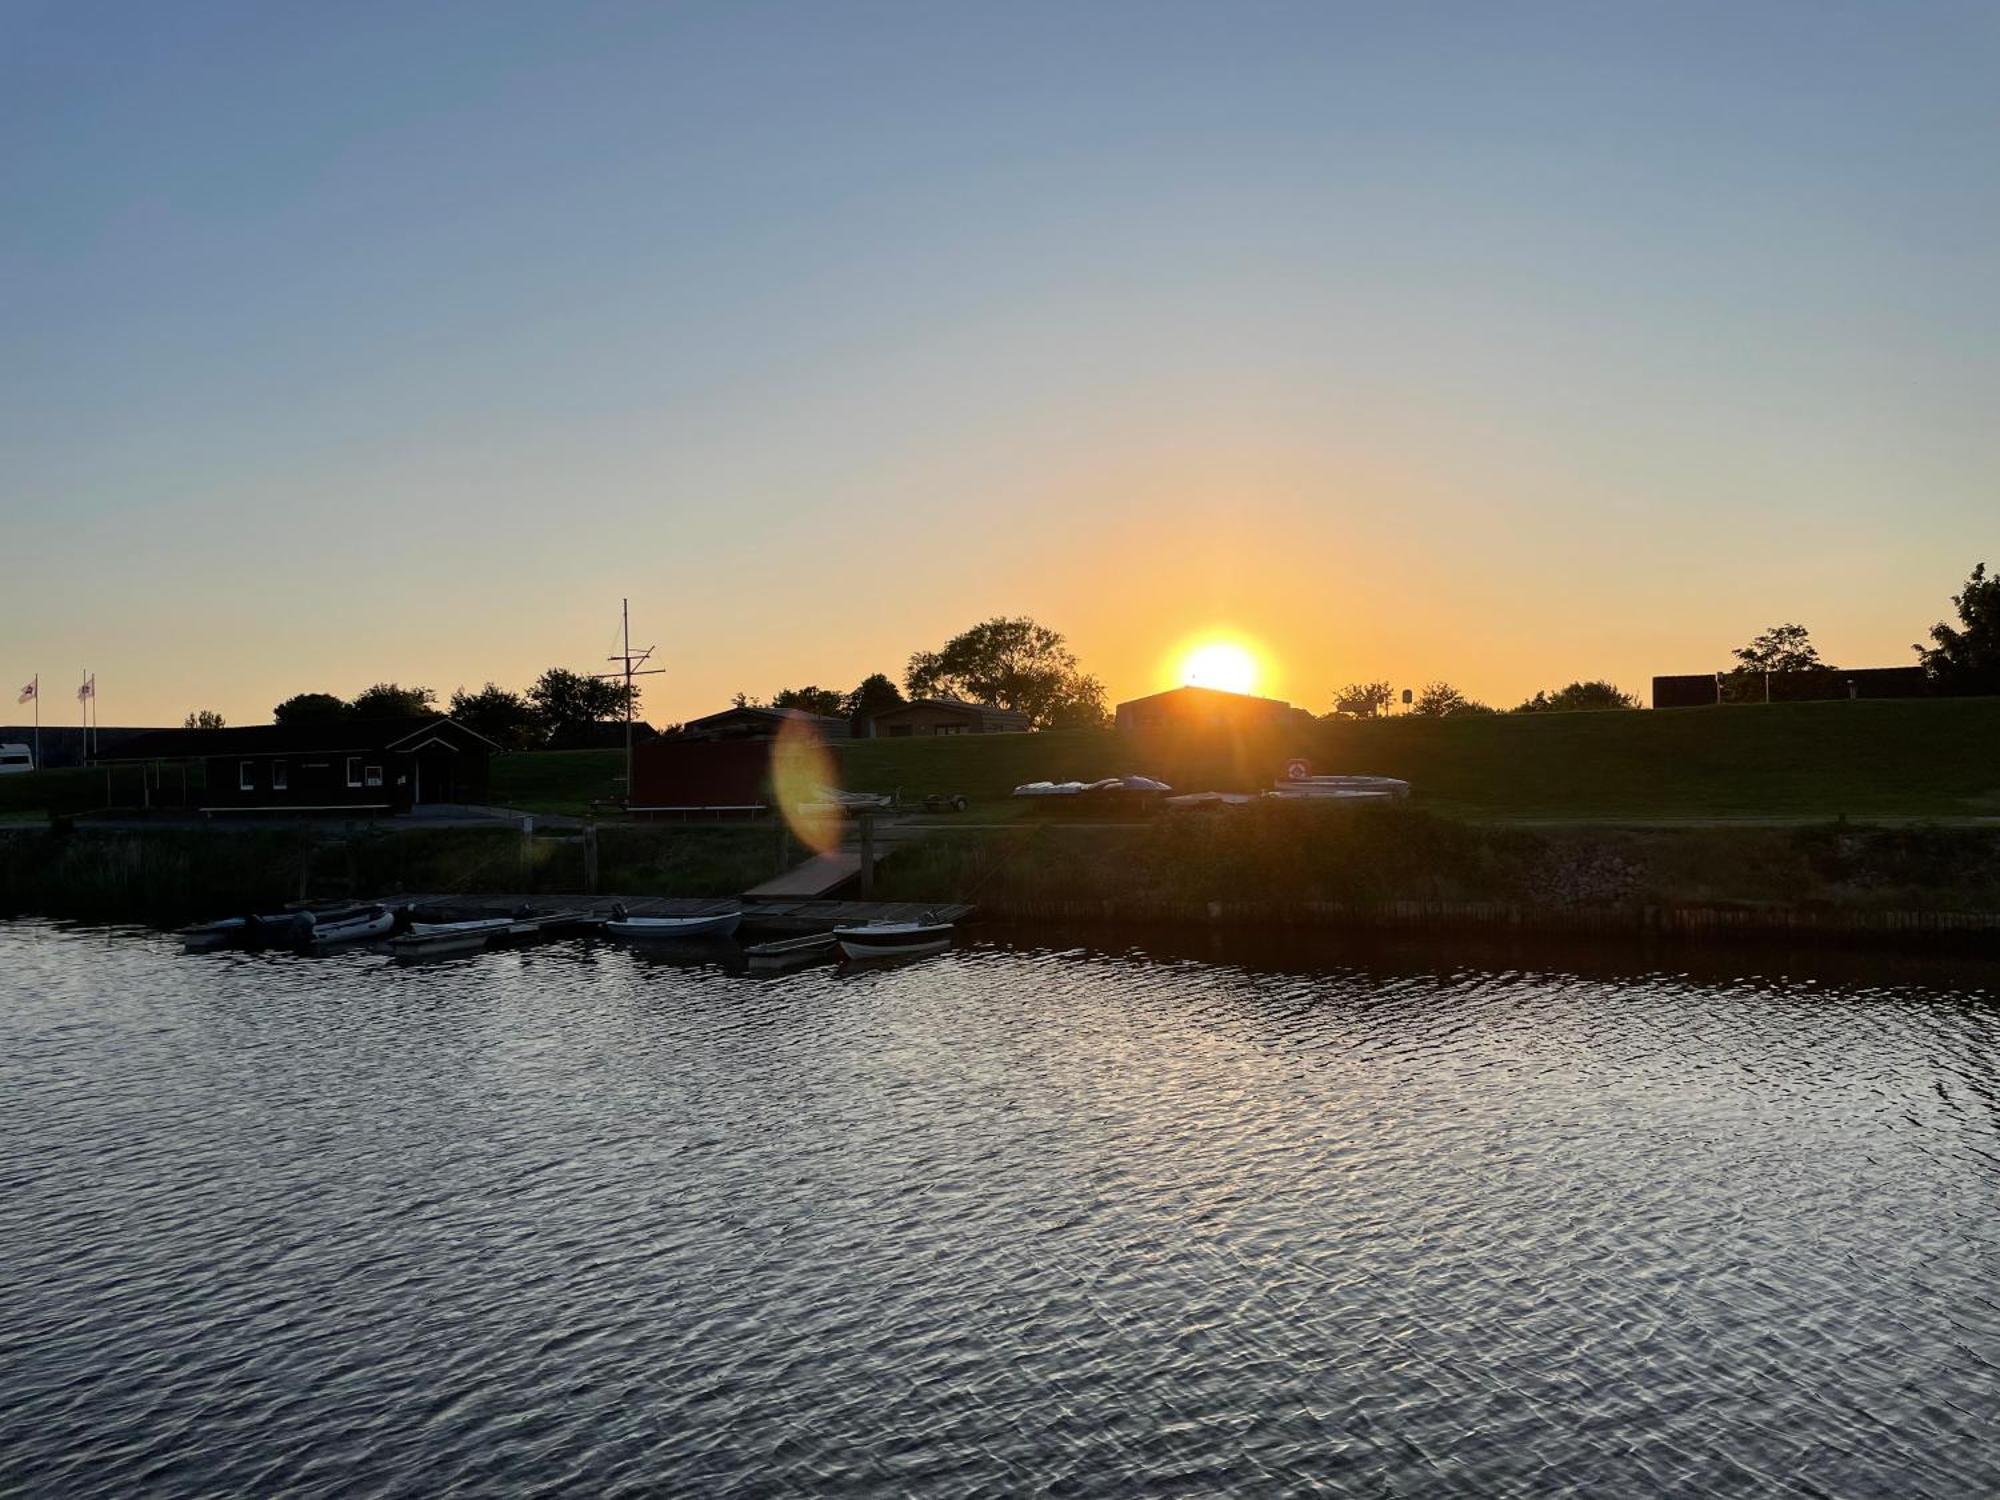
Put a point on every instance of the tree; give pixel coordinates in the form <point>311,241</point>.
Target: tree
<point>1363,700</point>
<point>1011,663</point>
<point>1966,659</point>
<point>1079,704</point>
<point>203,718</point>
<point>1440,700</point>
<point>388,700</point>
<point>1782,648</point>
<point>809,699</point>
<point>875,694</point>
<point>1578,697</point>
<point>563,699</point>
<point>505,718</point>
<point>310,708</point>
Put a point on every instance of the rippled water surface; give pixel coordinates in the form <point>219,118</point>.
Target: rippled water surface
<point>1016,1220</point>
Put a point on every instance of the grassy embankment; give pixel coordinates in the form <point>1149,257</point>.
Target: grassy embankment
<point>576,782</point>
<point>1591,815</point>
<point>1292,862</point>
<point>1794,762</point>
<point>172,875</point>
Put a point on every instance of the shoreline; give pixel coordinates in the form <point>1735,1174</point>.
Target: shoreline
<point>1380,870</point>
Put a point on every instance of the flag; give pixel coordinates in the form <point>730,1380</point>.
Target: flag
<point>27,692</point>
<point>89,688</point>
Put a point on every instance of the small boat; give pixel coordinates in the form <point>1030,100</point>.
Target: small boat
<point>894,939</point>
<point>721,924</point>
<point>1343,788</point>
<point>440,939</point>
<point>209,936</point>
<point>445,929</point>
<point>789,953</point>
<point>358,928</point>
<point>277,927</point>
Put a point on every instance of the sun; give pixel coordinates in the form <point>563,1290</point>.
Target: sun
<point>1220,664</point>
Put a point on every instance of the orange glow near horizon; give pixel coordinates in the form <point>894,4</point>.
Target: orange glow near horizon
<point>1230,665</point>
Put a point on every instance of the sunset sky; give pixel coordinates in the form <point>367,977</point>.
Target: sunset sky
<point>1506,344</point>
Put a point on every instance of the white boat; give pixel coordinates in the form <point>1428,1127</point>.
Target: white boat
<point>719,925</point>
<point>445,929</point>
<point>359,928</point>
<point>894,939</point>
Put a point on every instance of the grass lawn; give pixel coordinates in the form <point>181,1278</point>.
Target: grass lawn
<point>1916,759</point>
<point>1907,759</point>
<point>558,781</point>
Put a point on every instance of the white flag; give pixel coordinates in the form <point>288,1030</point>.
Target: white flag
<point>27,692</point>
<point>88,690</point>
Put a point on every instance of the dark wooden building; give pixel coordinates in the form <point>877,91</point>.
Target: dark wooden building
<point>1207,709</point>
<point>926,716</point>
<point>372,766</point>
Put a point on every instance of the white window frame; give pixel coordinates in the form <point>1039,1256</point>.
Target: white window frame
<point>246,776</point>
<point>281,776</point>
<point>354,770</point>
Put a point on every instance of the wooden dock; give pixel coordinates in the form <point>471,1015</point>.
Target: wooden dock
<point>819,876</point>
<point>777,916</point>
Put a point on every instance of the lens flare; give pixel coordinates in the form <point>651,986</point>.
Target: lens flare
<point>1220,664</point>
<point>802,776</point>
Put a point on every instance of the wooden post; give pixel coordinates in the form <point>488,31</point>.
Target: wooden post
<point>867,856</point>
<point>527,851</point>
<point>590,858</point>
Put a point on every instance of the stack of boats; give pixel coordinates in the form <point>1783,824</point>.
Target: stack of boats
<point>319,931</point>
<point>1343,788</point>
<point>315,930</point>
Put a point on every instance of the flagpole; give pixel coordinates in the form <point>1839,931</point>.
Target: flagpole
<point>38,721</point>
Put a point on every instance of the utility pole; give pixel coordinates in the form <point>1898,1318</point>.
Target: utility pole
<point>630,664</point>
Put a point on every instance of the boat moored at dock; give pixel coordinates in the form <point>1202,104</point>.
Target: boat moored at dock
<point>790,953</point>
<point>721,924</point>
<point>893,939</point>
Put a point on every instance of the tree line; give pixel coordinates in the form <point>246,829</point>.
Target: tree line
<point>552,713</point>
<point>1005,662</point>
<point>1017,663</point>
<point>1962,660</point>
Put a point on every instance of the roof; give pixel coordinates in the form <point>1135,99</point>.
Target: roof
<point>757,713</point>
<point>320,737</point>
<point>1193,693</point>
<point>986,713</point>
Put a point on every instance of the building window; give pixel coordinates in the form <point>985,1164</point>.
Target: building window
<point>354,770</point>
<point>374,775</point>
<point>281,778</point>
<point>949,729</point>
<point>246,776</point>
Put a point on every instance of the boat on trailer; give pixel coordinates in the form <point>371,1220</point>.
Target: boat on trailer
<point>719,924</point>
<point>894,939</point>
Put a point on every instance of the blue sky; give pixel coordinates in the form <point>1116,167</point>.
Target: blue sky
<point>1504,344</point>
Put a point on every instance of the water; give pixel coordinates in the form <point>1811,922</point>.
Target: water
<point>1021,1220</point>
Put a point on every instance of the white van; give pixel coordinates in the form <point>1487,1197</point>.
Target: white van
<point>15,759</point>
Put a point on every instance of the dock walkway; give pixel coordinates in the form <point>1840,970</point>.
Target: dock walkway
<point>778,915</point>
